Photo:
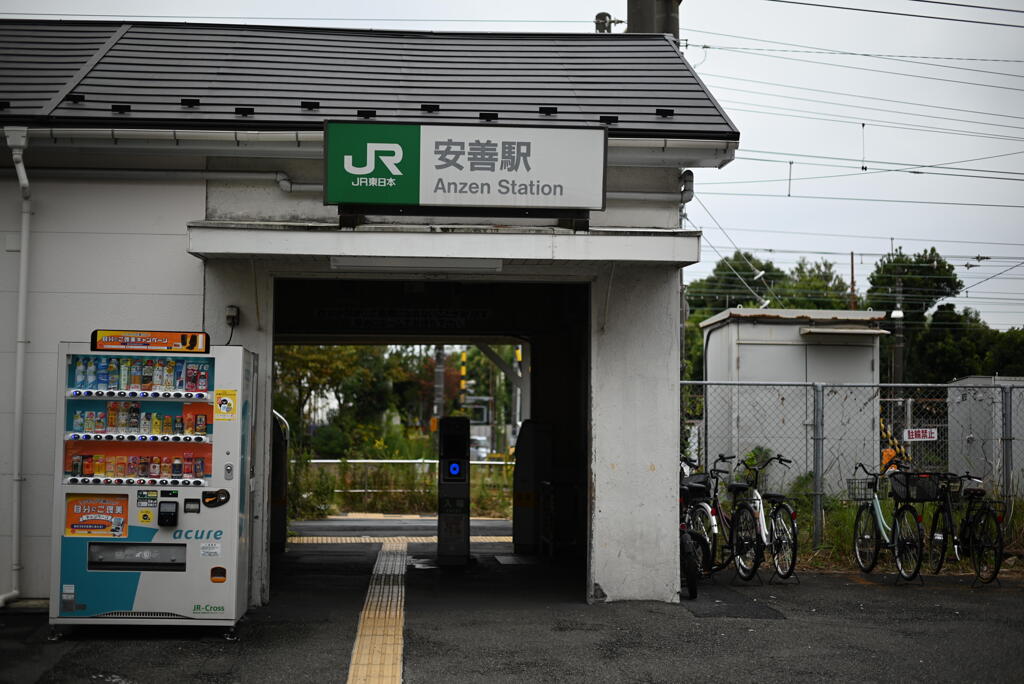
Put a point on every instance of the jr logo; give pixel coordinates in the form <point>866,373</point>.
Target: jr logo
<point>390,154</point>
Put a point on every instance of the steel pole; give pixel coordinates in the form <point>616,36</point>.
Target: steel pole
<point>1007,392</point>
<point>819,459</point>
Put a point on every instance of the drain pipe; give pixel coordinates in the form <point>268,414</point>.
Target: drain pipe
<point>17,139</point>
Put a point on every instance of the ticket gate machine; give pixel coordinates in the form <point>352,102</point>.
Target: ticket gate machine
<point>453,493</point>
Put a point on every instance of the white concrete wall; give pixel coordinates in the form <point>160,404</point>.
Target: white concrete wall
<point>113,254</point>
<point>635,431</point>
<point>103,254</point>
<point>263,200</point>
<point>248,285</point>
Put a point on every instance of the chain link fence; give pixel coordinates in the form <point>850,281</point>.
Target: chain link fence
<point>966,426</point>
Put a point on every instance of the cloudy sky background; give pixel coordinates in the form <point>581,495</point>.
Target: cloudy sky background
<point>773,67</point>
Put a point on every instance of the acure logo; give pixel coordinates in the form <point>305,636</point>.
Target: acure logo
<point>390,154</point>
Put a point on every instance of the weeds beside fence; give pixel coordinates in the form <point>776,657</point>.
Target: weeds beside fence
<point>321,487</point>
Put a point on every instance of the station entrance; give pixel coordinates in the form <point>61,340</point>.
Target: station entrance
<point>550,510</point>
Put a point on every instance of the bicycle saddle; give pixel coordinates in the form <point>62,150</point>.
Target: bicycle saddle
<point>774,498</point>
<point>737,487</point>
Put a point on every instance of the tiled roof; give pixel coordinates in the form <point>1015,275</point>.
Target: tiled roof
<point>260,77</point>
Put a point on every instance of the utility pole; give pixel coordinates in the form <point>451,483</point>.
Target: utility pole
<point>897,342</point>
<point>653,16</point>
<point>438,386</point>
<point>853,286</point>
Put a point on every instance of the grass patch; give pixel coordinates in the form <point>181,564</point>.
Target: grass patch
<point>316,490</point>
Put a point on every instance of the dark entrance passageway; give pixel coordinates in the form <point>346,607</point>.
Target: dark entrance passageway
<point>550,507</point>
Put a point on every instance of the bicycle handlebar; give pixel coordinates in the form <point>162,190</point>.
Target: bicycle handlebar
<point>777,457</point>
<point>866,471</point>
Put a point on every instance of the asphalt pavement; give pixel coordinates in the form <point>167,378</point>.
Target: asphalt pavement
<point>517,619</point>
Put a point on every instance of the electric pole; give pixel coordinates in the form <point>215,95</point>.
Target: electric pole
<point>853,286</point>
<point>897,343</point>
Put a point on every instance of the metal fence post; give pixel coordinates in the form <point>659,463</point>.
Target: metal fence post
<point>1007,392</point>
<point>819,459</point>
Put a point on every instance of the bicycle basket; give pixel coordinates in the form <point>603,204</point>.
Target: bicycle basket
<point>861,489</point>
<point>914,486</point>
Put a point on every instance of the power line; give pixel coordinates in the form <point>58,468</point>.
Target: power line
<point>869,199</point>
<point>708,243</point>
<point>865,97</point>
<point>891,73</point>
<point>858,106</point>
<point>862,172</point>
<point>881,124</point>
<point>993,276</point>
<point>876,161</point>
<point>868,237</point>
<point>896,14</point>
<point>960,4</point>
<point>708,212</point>
<point>755,51</point>
<point>824,51</point>
<point>866,167</point>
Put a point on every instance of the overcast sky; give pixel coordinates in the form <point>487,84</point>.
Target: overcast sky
<point>976,92</point>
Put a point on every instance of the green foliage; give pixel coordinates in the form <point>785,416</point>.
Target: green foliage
<point>939,347</point>
<point>722,289</point>
<point>926,280</point>
<point>951,345</point>
<point>814,285</point>
<point>310,489</point>
<point>1003,356</point>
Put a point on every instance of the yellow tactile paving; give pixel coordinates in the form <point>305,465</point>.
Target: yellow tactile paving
<point>377,652</point>
<point>389,540</point>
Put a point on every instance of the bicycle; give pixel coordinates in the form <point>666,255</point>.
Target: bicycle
<point>751,535</point>
<point>711,519</point>
<point>695,553</point>
<point>870,528</point>
<point>979,536</point>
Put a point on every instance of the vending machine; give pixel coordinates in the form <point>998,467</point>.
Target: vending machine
<point>151,504</point>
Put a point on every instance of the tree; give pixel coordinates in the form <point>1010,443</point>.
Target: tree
<point>915,283</point>
<point>952,345</point>
<point>1004,354</point>
<point>814,285</point>
<point>724,289</point>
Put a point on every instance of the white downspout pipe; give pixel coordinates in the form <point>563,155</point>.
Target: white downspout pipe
<point>17,139</point>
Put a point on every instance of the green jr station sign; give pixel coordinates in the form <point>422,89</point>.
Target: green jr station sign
<point>505,167</point>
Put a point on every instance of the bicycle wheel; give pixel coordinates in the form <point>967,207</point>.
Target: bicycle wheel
<point>721,543</point>
<point>782,538</point>
<point>689,569</point>
<point>938,540</point>
<point>866,540</point>
<point>908,540</point>
<point>986,545</point>
<point>703,550</point>
<point>744,541</point>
